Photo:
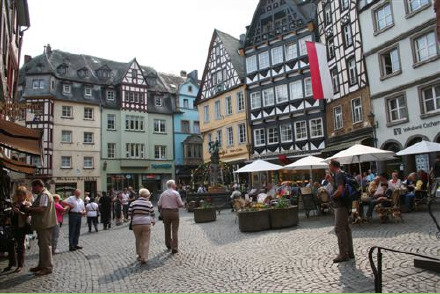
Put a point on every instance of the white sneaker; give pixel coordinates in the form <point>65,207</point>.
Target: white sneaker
<point>56,251</point>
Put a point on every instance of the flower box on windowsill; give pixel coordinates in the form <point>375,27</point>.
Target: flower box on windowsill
<point>204,215</point>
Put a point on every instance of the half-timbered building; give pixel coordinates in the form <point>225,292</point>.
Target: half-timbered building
<point>285,120</point>
<point>221,100</point>
<point>348,112</point>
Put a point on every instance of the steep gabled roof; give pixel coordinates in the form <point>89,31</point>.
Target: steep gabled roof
<point>232,45</point>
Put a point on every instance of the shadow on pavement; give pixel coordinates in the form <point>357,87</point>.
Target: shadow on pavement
<point>15,281</point>
<point>354,280</point>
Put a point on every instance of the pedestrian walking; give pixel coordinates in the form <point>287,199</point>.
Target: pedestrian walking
<point>125,203</point>
<point>105,208</point>
<point>43,219</point>
<point>342,227</point>
<point>77,211</point>
<point>118,209</point>
<point>141,212</point>
<point>60,211</point>
<point>92,210</point>
<point>169,204</point>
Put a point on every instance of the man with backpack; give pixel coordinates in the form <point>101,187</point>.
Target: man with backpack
<point>342,208</point>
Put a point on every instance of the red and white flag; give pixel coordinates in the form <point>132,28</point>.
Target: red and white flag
<point>319,71</point>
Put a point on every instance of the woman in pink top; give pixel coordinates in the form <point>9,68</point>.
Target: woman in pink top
<point>60,210</point>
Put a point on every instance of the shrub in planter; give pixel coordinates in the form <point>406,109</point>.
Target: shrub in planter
<point>253,221</point>
<point>283,217</point>
<point>205,213</point>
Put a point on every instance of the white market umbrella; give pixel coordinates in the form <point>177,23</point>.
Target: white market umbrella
<point>360,153</point>
<point>258,165</point>
<point>420,148</point>
<point>309,163</point>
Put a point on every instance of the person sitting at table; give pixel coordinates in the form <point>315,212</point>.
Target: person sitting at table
<point>378,194</point>
<point>410,184</point>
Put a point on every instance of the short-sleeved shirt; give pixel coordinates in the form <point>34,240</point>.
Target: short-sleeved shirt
<point>125,198</point>
<point>77,203</point>
<point>92,209</point>
<point>170,199</point>
<point>339,180</point>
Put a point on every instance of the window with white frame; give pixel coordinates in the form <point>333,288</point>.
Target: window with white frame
<point>88,138</point>
<point>160,126</point>
<point>272,135</point>
<point>66,162</point>
<point>316,128</point>
<point>186,103</point>
<point>281,93</point>
<point>260,138</point>
<point>134,151</point>
<point>291,50</point>
<point>414,5</point>
<point>88,91</point>
<point>255,100</point>
<point>251,63</point>
<point>425,46</point>
<point>383,17</point>
<point>431,99</point>
<point>218,110</point>
<point>345,4</point>
<point>88,162</point>
<point>397,110</point>
<point>300,130</point>
<point>328,14</point>
<point>337,115</point>
<point>228,105</point>
<point>240,102</point>
<point>206,113</point>
<point>111,121</point>
<point>335,80</point>
<point>158,101</point>
<point>263,59</point>
<point>185,126</point>
<point>111,150</point>
<point>241,133</point>
<point>230,134</point>
<point>286,133</point>
<point>352,72</point>
<point>277,55</point>
<point>302,45</point>
<point>348,36</point>
<point>111,95</point>
<point>296,90</point>
<point>66,111</point>
<point>356,109</point>
<point>268,97</point>
<point>134,123</point>
<point>308,90</point>
<point>66,136</point>
<point>67,88</point>
<point>88,113</point>
<point>219,138</point>
<point>196,127</point>
<point>38,84</point>
<point>390,62</point>
<point>160,152</point>
<point>330,48</point>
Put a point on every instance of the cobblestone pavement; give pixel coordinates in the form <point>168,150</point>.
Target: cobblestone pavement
<point>217,257</point>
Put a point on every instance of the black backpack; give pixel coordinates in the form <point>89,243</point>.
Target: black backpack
<point>352,191</point>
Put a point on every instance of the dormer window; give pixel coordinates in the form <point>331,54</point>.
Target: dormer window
<point>103,73</point>
<point>67,89</point>
<point>62,69</point>
<point>83,73</point>
<point>110,95</point>
<point>88,92</point>
<point>158,101</point>
<point>190,89</point>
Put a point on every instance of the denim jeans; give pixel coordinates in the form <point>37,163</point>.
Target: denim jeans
<point>74,229</point>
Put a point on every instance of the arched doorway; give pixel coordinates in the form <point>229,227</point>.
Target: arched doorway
<point>396,164</point>
<point>410,160</point>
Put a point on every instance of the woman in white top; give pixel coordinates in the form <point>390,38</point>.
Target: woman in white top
<point>142,217</point>
<point>92,215</point>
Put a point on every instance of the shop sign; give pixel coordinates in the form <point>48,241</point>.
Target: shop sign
<point>165,166</point>
<point>426,125</point>
<point>71,179</point>
<point>150,177</point>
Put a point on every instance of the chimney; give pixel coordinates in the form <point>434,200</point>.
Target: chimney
<point>194,75</point>
<point>183,73</point>
<point>242,38</point>
<point>27,59</point>
<point>48,50</point>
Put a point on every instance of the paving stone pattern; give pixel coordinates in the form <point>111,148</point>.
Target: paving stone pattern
<point>217,257</point>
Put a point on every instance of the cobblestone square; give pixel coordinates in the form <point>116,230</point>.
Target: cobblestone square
<point>217,257</point>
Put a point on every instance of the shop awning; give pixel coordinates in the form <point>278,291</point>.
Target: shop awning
<point>19,138</point>
<point>17,166</point>
<point>344,145</point>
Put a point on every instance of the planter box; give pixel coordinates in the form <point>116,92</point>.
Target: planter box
<point>204,215</point>
<point>253,221</point>
<point>283,217</point>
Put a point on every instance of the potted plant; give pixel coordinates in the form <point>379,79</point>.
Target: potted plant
<point>283,215</point>
<point>205,213</point>
<point>254,219</point>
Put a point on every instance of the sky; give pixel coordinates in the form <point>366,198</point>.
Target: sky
<point>168,35</point>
